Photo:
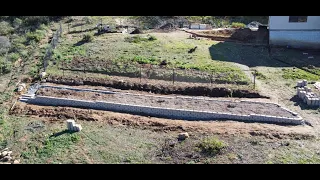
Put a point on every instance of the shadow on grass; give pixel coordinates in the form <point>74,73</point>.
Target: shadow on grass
<point>253,56</point>
<point>249,55</point>
<point>61,133</point>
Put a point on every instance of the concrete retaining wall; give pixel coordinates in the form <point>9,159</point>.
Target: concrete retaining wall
<point>159,112</point>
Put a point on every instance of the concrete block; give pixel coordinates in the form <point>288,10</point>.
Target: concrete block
<point>308,101</point>
<point>305,82</point>
<point>308,89</point>
<point>77,127</point>
<point>300,84</point>
<point>302,94</point>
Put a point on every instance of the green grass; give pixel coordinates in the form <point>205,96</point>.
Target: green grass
<point>296,156</point>
<point>157,47</point>
<point>298,74</point>
<point>238,25</point>
<point>138,39</point>
<point>259,75</point>
<point>212,145</point>
<point>67,53</point>
<point>96,143</point>
<point>51,146</point>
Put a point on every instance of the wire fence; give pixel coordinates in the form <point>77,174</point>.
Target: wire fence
<point>148,72</point>
<point>53,44</point>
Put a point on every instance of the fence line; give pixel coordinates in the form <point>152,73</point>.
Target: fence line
<point>53,44</point>
<point>148,72</point>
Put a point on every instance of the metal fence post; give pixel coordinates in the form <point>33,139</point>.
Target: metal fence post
<point>140,73</point>
<point>60,30</point>
<point>63,63</point>
<point>173,75</point>
<point>254,79</point>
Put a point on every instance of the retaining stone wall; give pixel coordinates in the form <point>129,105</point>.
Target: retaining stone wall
<point>160,112</point>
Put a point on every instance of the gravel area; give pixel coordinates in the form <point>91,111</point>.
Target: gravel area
<point>194,103</point>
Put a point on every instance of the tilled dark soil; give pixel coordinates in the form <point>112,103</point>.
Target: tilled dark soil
<point>156,86</point>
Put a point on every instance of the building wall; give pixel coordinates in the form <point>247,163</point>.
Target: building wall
<point>304,35</point>
<point>282,23</point>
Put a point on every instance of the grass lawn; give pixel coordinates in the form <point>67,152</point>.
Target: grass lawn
<point>113,52</point>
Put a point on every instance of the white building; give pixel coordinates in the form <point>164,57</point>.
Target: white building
<point>295,31</point>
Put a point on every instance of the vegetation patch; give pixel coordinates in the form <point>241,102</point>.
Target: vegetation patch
<point>259,75</point>
<point>51,145</point>
<point>238,25</point>
<point>298,74</point>
<point>138,39</point>
<point>212,145</point>
<point>87,38</point>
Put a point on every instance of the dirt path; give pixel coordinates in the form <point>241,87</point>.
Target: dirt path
<point>160,124</point>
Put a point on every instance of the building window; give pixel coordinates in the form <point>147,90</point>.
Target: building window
<point>298,18</point>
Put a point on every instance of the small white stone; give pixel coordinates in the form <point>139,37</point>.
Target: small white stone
<point>183,136</point>
<point>4,153</point>
<point>17,161</point>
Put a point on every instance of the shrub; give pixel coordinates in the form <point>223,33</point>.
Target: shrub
<point>5,66</point>
<point>87,38</point>
<point>17,22</point>
<point>238,25</point>
<point>4,44</point>
<point>5,28</point>
<point>13,57</point>
<point>36,36</point>
<point>211,145</point>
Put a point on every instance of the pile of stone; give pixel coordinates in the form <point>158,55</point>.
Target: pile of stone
<point>305,93</point>
<point>6,158</point>
<point>72,126</point>
<point>317,85</point>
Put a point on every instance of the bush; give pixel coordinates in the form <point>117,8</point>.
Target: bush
<point>5,28</point>
<point>212,145</point>
<point>238,25</point>
<point>17,22</point>
<point>36,36</point>
<point>87,38</point>
<point>4,44</point>
<point>5,66</point>
<point>13,57</point>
